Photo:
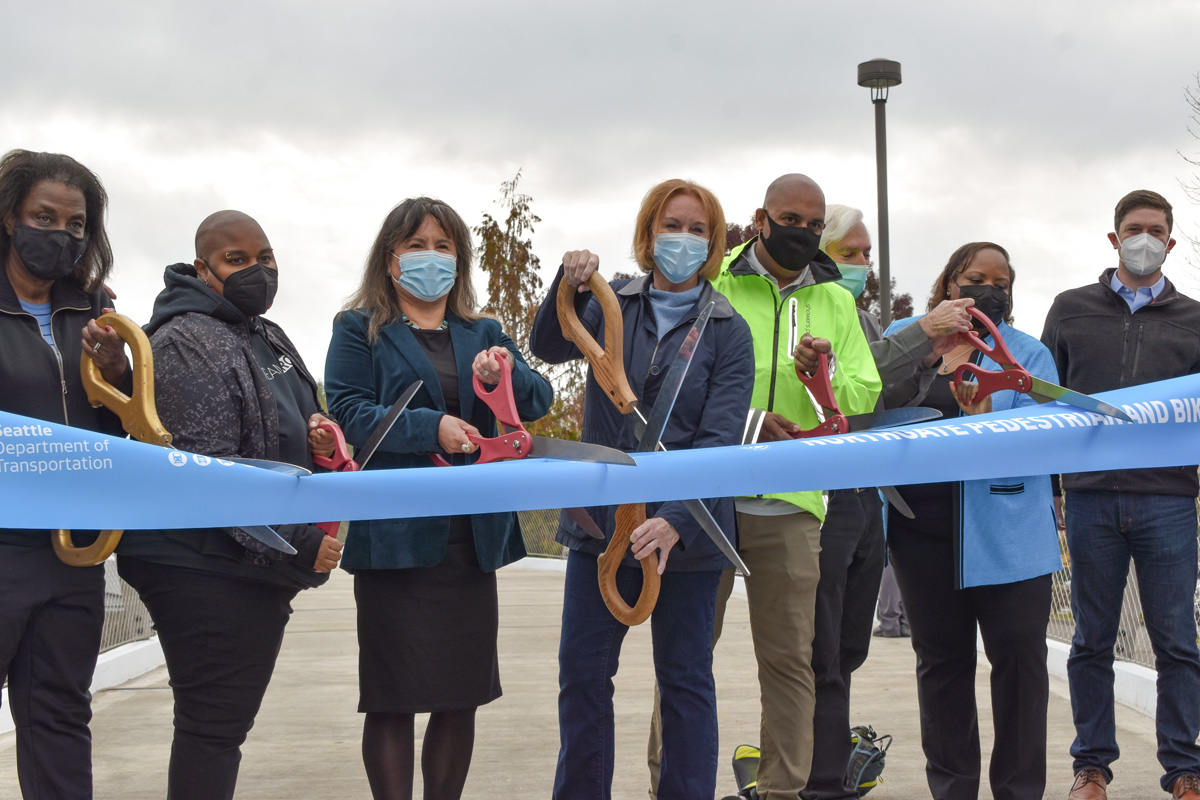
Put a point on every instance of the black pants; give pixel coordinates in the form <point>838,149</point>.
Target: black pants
<point>220,636</point>
<point>51,616</point>
<point>1012,619</point>
<point>851,564</point>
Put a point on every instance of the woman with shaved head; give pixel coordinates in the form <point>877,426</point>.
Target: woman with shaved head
<point>54,257</point>
<point>228,383</point>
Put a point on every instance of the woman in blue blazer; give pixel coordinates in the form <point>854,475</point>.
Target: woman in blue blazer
<point>426,587</point>
<point>979,555</point>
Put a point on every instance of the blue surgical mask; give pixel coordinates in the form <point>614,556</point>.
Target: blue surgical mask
<point>679,255</point>
<point>854,278</point>
<point>427,274</point>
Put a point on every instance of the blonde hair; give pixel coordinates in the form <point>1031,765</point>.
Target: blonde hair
<point>651,211</point>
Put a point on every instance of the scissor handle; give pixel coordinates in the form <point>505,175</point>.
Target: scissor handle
<point>998,351</point>
<point>340,461</point>
<point>608,363</point>
<point>1014,378</point>
<point>95,553</point>
<point>629,517</point>
<point>819,384</point>
<point>500,398</point>
<point>138,417</point>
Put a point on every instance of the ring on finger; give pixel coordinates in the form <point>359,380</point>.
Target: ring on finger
<point>96,347</point>
<point>466,448</point>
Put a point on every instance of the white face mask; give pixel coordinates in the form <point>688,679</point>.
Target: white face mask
<point>1142,253</point>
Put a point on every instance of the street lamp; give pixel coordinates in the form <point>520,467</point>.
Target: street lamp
<point>879,75</point>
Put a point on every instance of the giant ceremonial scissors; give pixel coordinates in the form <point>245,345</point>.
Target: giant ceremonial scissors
<point>516,442</point>
<point>1015,377</point>
<point>341,461</point>
<point>608,368</point>
<point>140,420</point>
<point>831,420</point>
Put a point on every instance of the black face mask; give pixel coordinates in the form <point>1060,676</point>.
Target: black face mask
<point>251,290</point>
<point>792,248</point>
<point>993,302</point>
<point>47,253</point>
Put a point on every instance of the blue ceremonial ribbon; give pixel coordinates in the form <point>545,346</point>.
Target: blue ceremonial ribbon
<point>53,476</point>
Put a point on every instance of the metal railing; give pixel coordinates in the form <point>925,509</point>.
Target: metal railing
<point>125,618</point>
<point>538,528</point>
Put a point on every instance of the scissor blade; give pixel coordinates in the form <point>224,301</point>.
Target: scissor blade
<point>1045,392</point>
<point>713,529</point>
<point>585,522</point>
<point>897,501</point>
<point>273,466</point>
<point>649,437</point>
<point>892,418</point>
<point>269,537</point>
<point>569,450</point>
<point>385,425</point>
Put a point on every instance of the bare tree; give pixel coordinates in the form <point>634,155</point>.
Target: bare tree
<point>1191,186</point>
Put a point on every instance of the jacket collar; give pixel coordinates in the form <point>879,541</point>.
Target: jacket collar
<point>821,269</point>
<point>1168,295</point>
<point>708,295</point>
<point>466,343</point>
<point>64,293</point>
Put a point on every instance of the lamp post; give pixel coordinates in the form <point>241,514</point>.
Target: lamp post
<point>879,75</point>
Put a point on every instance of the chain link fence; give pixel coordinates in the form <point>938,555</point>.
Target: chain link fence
<point>1133,643</point>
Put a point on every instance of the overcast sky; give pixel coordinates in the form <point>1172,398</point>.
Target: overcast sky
<point>1018,122</point>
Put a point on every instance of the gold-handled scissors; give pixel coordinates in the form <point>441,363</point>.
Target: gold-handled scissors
<point>138,417</point>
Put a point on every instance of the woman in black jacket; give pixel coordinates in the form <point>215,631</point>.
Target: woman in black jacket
<point>227,383</point>
<point>54,258</point>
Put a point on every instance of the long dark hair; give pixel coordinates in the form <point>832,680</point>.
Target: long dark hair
<point>959,260</point>
<point>376,292</point>
<point>21,170</point>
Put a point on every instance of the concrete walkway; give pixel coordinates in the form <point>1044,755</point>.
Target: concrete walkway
<point>306,742</point>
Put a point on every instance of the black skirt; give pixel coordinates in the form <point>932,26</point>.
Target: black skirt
<point>427,636</point>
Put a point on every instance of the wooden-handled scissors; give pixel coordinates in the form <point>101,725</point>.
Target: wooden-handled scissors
<point>138,417</point>
<point>608,367</point>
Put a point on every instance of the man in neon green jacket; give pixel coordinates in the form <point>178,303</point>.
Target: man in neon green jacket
<point>784,287</point>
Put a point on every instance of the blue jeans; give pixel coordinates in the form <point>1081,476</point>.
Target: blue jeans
<point>588,652</point>
<point>1105,529</point>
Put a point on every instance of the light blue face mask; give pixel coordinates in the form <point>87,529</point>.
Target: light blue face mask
<point>679,255</point>
<point>854,278</point>
<point>426,274</point>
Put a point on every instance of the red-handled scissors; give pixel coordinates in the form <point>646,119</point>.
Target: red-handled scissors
<point>1016,378</point>
<point>516,442</point>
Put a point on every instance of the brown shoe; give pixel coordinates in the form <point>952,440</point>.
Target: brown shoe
<point>1187,787</point>
<point>1090,784</point>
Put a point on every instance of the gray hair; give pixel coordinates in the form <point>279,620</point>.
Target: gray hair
<point>839,220</point>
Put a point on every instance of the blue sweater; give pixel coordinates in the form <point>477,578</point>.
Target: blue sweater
<point>1006,530</point>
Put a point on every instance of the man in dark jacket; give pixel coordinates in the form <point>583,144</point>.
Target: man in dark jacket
<point>1130,328</point>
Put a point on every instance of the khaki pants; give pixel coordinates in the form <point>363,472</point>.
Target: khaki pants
<point>783,556</point>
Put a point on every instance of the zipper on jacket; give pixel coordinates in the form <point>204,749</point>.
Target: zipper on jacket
<point>1124,350</point>
<point>62,378</point>
<point>774,354</point>
<point>1137,351</point>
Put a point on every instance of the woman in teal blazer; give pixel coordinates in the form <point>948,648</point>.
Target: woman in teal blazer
<point>425,587</point>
